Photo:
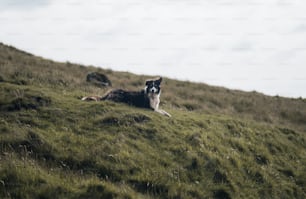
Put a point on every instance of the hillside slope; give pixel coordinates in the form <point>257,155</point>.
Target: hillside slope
<point>218,144</point>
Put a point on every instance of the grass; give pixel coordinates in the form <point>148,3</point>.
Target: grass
<point>218,144</point>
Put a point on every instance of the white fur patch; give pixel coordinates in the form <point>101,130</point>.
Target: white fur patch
<point>154,100</point>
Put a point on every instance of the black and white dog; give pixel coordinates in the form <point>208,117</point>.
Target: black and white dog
<point>146,98</point>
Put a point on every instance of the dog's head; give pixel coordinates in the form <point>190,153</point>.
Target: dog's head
<point>153,85</point>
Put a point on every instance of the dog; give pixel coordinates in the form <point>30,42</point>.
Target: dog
<point>148,98</point>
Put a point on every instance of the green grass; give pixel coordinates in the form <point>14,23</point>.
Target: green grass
<point>218,144</point>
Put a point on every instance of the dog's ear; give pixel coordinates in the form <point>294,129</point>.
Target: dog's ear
<point>148,82</point>
<point>159,80</point>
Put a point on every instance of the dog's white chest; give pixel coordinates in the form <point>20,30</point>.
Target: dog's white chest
<point>154,101</point>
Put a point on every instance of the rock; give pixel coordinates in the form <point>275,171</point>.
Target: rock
<point>98,79</point>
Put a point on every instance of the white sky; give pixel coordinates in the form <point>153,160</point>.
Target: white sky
<point>243,44</point>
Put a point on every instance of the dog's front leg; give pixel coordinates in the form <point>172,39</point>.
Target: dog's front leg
<point>162,112</point>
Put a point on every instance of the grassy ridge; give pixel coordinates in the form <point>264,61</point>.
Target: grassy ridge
<point>54,145</point>
<point>25,69</point>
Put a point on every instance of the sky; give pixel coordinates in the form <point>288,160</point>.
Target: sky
<point>239,44</point>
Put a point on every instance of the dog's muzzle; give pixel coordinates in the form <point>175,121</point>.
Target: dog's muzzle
<point>153,90</point>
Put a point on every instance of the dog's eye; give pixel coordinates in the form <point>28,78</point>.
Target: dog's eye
<point>149,83</point>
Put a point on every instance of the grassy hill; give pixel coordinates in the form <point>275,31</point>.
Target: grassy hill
<point>220,143</point>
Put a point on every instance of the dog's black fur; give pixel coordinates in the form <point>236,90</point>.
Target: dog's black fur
<point>134,98</point>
